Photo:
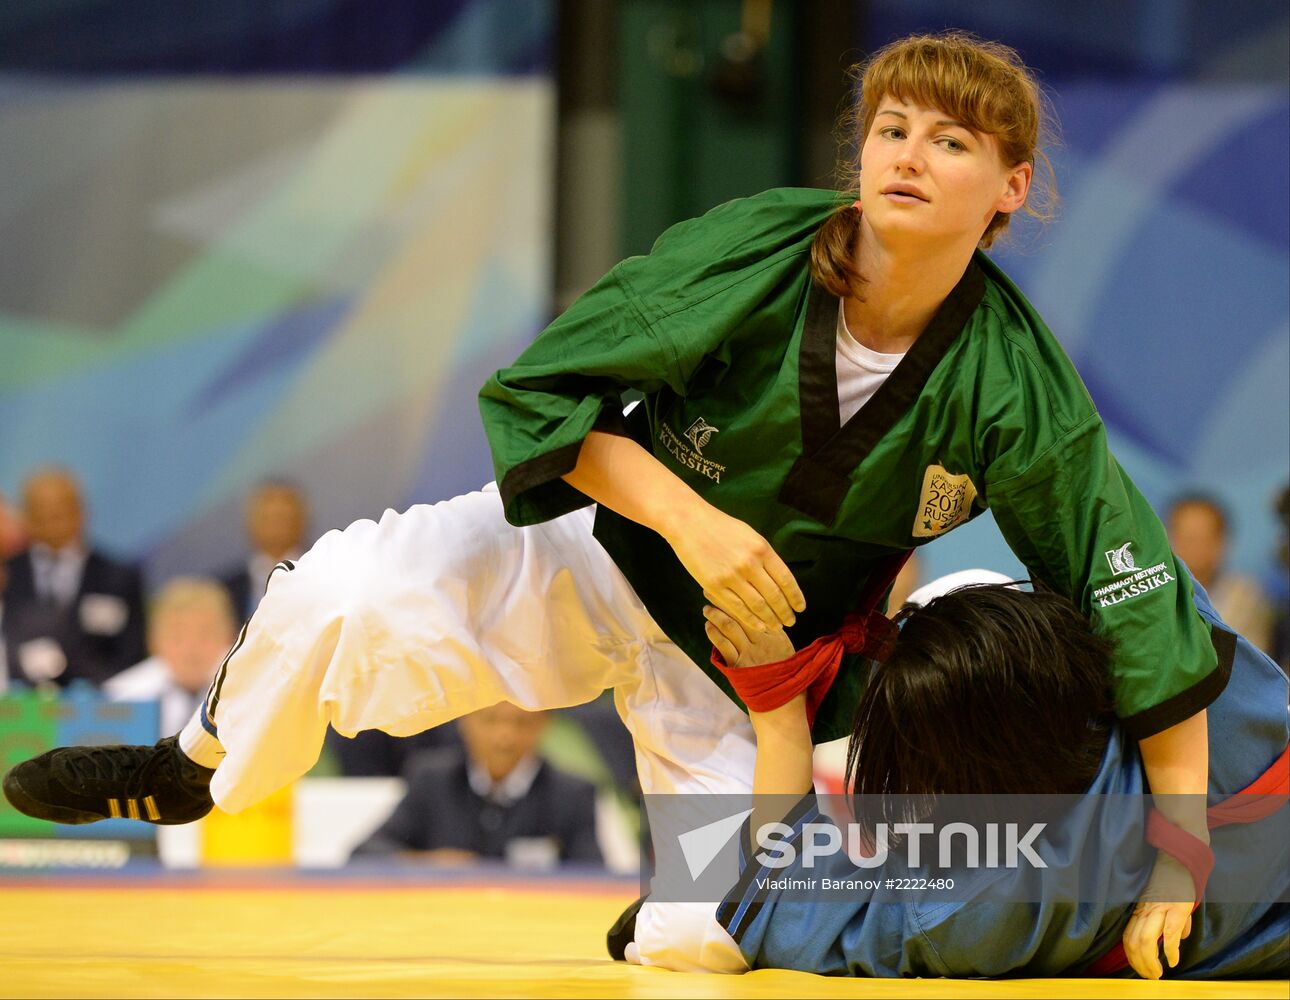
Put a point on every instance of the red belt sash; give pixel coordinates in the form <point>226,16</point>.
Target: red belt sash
<point>1261,798</point>
<point>812,668</point>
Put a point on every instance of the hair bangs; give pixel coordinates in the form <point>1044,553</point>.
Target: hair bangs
<point>976,83</point>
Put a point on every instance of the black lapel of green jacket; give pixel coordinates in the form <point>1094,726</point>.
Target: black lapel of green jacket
<point>820,479</point>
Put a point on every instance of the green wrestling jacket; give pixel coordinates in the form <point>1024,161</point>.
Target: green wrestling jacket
<point>732,345</point>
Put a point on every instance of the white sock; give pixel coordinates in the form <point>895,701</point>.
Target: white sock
<point>198,744</point>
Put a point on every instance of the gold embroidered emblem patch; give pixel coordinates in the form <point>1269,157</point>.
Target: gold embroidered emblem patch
<point>946,500</point>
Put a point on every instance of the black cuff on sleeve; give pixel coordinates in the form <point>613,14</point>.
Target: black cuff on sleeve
<point>545,471</point>
<point>538,472</point>
<point>1185,704</point>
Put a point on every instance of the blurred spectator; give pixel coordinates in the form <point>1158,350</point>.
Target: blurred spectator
<point>492,798</point>
<point>374,754</point>
<point>591,742</point>
<point>69,611</point>
<point>588,741</point>
<point>190,628</point>
<point>277,517</point>
<point>13,539</point>
<point>13,531</point>
<point>1198,530</point>
<point>4,653</point>
<point>602,751</point>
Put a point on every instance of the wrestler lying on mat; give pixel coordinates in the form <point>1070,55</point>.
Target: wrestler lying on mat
<point>991,689</point>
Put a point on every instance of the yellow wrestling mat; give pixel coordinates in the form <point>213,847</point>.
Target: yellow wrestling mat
<point>130,939</point>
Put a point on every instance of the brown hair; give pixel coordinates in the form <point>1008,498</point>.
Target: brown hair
<point>983,84</point>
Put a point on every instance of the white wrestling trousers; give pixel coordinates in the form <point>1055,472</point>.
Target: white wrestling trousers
<point>425,616</point>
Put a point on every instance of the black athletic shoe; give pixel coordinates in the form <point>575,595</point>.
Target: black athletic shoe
<point>156,784</point>
<point>623,932</point>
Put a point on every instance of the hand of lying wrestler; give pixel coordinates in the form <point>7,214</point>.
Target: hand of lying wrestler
<point>738,570</point>
<point>785,753</point>
<point>739,648</point>
<point>1163,911</point>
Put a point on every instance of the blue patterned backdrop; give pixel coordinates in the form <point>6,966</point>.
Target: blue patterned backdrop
<point>223,263</point>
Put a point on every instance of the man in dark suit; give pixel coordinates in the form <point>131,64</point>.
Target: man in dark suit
<point>492,798</point>
<point>69,611</point>
<point>277,517</point>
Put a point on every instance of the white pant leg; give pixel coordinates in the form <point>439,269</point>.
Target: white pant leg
<point>413,621</point>
<point>690,739</point>
<point>425,616</point>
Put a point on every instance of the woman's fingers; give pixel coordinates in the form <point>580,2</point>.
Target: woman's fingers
<point>733,605</point>
<point>775,598</point>
<point>739,571</point>
<point>1164,911</point>
<point>721,644</point>
<point>747,605</point>
<point>742,648</point>
<point>1177,927</point>
<point>764,615</point>
<point>1143,957</point>
<point>726,634</point>
<point>785,583</point>
<point>1142,936</point>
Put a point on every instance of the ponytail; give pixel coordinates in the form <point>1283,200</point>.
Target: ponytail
<point>833,253</point>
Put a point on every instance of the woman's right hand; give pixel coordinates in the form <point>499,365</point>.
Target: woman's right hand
<point>1161,916</point>
<point>738,570</point>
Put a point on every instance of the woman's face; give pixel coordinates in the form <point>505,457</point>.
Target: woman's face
<point>924,176</point>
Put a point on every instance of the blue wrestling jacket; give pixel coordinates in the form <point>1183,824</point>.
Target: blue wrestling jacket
<point>1053,921</point>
